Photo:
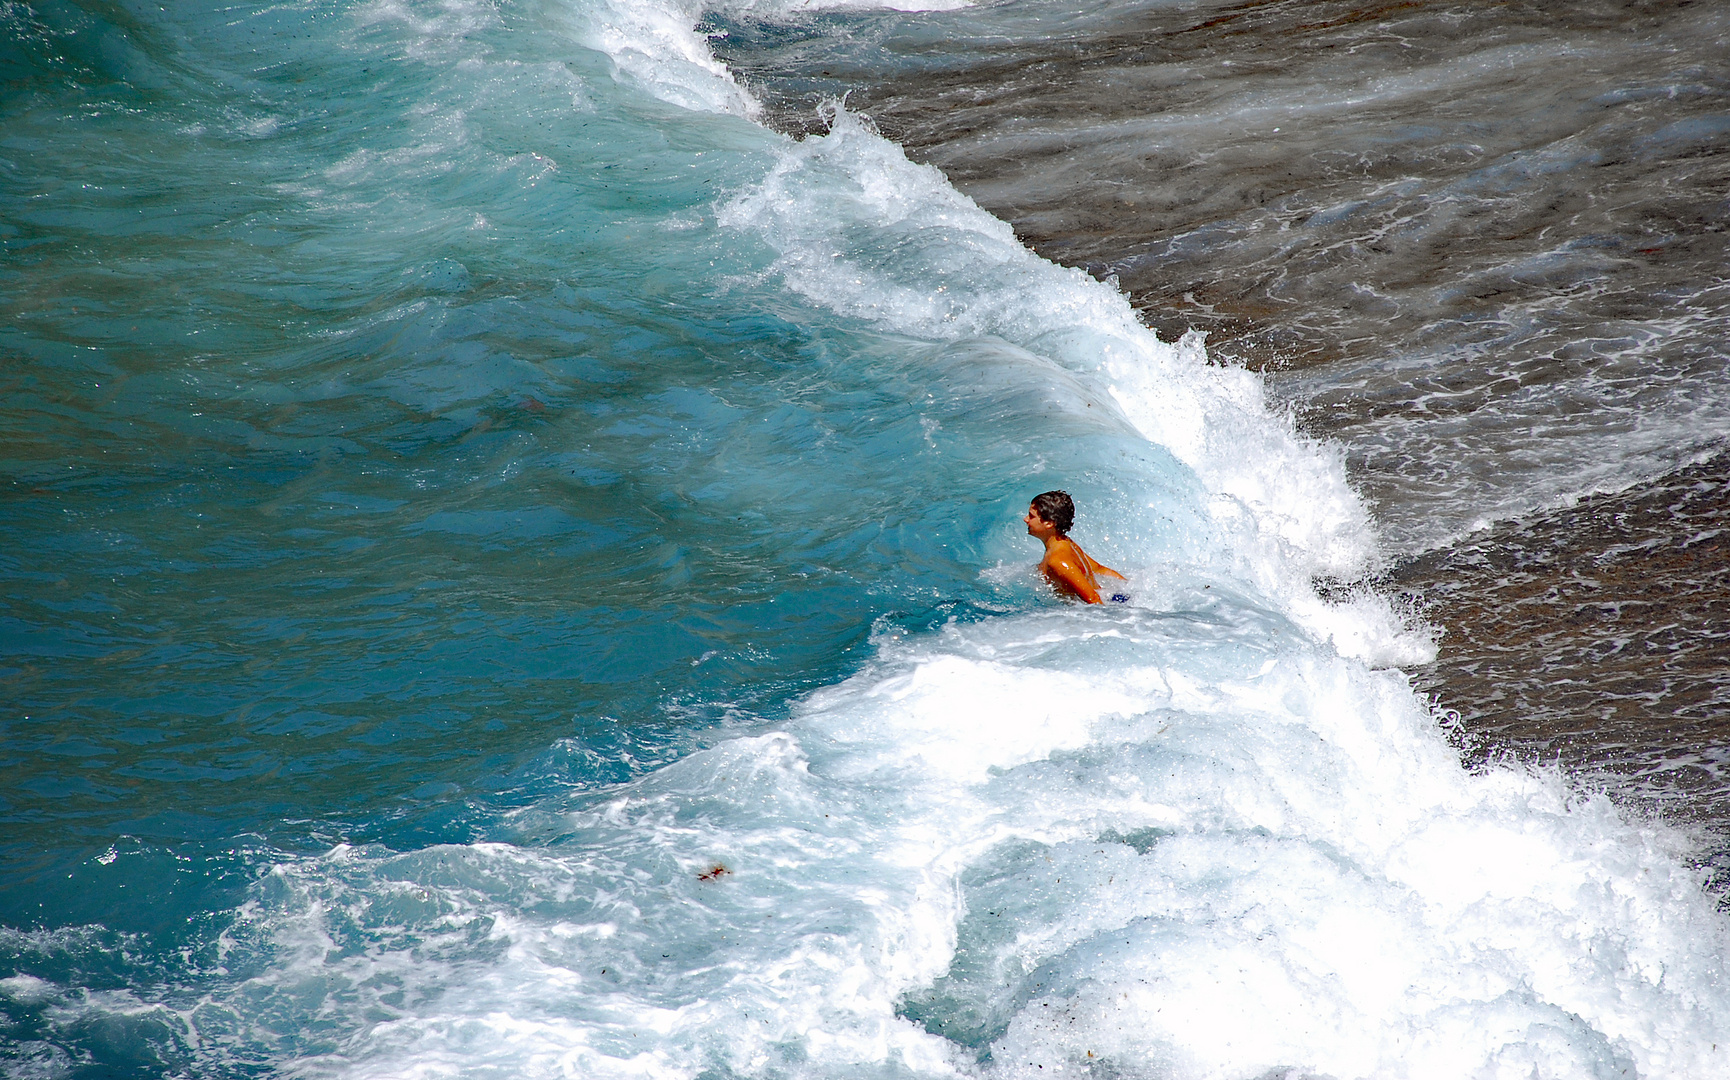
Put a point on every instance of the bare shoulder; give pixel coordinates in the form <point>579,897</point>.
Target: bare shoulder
<point>1067,552</point>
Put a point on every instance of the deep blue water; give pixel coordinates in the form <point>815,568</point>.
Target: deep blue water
<point>467,482</point>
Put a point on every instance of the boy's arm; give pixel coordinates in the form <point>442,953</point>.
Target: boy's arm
<point>1101,568</point>
<point>1073,577</point>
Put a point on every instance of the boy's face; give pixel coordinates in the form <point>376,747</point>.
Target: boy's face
<point>1038,526</point>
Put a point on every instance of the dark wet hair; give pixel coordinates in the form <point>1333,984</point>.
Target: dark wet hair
<point>1056,507</point>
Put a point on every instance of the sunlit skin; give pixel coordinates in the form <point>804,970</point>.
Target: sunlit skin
<point>1068,568</point>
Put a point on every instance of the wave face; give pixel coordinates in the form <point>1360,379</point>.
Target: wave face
<point>516,571</point>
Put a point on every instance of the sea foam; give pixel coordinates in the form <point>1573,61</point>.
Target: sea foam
<point>1144,843</point>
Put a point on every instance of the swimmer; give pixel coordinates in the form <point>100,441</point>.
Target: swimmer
<point>1065,565</point>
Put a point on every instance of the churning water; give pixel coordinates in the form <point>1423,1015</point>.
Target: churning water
<point>513,568</point>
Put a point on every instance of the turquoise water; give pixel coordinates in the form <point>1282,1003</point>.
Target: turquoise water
<point>512,568</point>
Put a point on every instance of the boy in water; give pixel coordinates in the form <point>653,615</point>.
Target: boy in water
<point>1065,565</point>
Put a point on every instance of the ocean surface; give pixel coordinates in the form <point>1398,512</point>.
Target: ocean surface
<point>511,560</point>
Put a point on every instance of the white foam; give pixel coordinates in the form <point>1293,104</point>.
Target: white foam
<point>773,9</point>
<point>1123,843</point>
<point>655,46</point>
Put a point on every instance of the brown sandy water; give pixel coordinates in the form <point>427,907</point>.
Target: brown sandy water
<point>1481,246</point>
<point>1598,636</point>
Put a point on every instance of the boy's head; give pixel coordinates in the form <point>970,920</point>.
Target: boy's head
<point>1056,507</point>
